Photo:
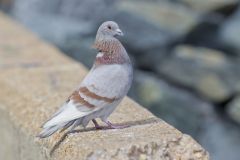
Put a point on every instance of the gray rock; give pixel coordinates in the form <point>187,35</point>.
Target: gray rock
<point>233,109</point>
<point>208,72</point>
<point>6,5</point>
<point>79,48</point>
<point>55,29</point>
<point>229,32</point>
<point>170,103</point>
<point>89,10</point>
<point>208,5</point>
<point>23,7</point>
<point>221,138</point>
<point>175,18</point>
<point>71,8</point>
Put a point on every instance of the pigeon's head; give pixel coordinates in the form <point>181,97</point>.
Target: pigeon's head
<point>109,28</point>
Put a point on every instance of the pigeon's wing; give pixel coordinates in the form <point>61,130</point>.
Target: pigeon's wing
<point>99,89</point>
<point>108,82</point>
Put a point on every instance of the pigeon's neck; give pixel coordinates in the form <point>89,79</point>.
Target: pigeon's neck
<point>111,51</point>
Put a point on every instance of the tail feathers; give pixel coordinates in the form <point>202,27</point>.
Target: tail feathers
<point>46,132</point>
<point>67,125</point>
<point>65,115</point>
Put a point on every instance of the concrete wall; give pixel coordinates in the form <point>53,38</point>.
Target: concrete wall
<point>36,78</point>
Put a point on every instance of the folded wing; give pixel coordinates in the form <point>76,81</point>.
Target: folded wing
<point>98,90</point>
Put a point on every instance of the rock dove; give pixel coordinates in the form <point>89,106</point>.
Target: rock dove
<point>101,90</point>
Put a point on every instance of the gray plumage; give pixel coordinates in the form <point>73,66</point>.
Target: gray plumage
<point>101,90</point>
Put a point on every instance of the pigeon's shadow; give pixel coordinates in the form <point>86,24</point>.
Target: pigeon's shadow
<point>129,124</point>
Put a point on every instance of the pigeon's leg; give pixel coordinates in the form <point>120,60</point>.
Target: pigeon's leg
<point>112,126</point>
<point>97,126</point>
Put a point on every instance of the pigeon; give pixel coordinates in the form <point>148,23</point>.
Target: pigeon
<point>101,91</point>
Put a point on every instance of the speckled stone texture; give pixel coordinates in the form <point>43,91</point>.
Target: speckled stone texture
<point>36,78</point>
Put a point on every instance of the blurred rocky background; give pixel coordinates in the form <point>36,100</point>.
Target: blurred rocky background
<point>186,55</point>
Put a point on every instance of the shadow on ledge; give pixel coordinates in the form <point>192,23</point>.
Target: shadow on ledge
<point>129,123</point>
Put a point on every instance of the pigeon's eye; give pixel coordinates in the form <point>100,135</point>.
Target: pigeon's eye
<point>109,27</point>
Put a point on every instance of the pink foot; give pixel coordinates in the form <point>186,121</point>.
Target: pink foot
<point>112,126</point>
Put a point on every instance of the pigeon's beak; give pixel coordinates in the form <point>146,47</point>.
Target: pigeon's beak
<point>119,32</point>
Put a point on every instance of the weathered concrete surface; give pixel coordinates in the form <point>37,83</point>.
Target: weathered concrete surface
<point>36,78</point>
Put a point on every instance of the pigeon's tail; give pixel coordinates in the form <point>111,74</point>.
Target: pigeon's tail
<point>46,132</point>
<point>68,115</point>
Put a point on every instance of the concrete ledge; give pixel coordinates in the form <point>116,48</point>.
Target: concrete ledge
<point>36,78</point>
